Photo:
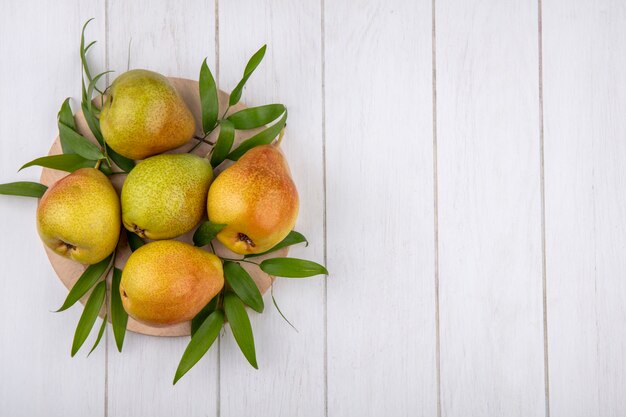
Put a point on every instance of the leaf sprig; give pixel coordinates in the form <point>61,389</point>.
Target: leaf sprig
<point>246,119</point>
<point>240,290</point>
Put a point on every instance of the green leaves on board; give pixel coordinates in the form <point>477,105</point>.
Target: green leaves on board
<point>263,138</point>
<point>208,98</point>
<point>23,189</point>
<point>278,309</point>
<point>292,268</point>
<point>224,143</point>
<point>206,233</point>
<point>80,144</point>
<point>100,333</point>
<point>66,117</point>
<point>197,321</point>
<point>240,325</point>
<point>89,316</point>
<point>134,241</point>
<point>84,283</point>
<point>125,164</point>
<point>254,117</point>
<point>292,238</point>
<point>119,316</point>
<point>243,285</point>
<point>200,343</point>
<point>68,162</point>
<point>254,62</point>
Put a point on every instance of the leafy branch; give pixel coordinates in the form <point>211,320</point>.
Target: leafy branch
<point>239,291</point>
<point>246,119</point>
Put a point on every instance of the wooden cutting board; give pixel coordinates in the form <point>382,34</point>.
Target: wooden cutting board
<point>69,271</point>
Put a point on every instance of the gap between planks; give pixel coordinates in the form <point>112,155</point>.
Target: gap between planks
<point>546,370</point>
<point>436,206</point>
<point>323,87</point>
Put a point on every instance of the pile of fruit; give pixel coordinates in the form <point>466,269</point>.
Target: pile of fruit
<point>143,129</point>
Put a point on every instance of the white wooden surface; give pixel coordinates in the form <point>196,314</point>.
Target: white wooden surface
<point>421,135</point>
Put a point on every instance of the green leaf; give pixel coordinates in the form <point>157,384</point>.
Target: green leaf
<point>68,162</point>
<point>100,333</point>
<point>224,143</point>
<point>93,123</point>
<point>292,238</point>
<point>83,50</point>
<point>243,285</point>
<point>104,168</point>
<point>200,343</point>
<point>254,62</point>
<point>66,117</point>
<point>92,87</point>
<point>208,98</point>
<point>292,268</point>
<point>197,321</point>
<point>240,325</point>
<point>256,116</point>
<point>206,233</point>
<point>134,241</point>
<point>80,144</point>
<point>278,309</point>
<point>263,138</point>
<point>125,164</point>
<point>89,316</point>
<point>23,188</point>
<point>87,280</point>
<point>119,316</point>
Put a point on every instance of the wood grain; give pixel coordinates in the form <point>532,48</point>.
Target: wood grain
<point>290,379</point>
<point>491,319</point>
<point>379,150</point>
<point>358,80</point>
<point>40,68</point>
<point>585,152</point>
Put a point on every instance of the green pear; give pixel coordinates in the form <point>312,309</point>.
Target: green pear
<point>168,282</point>
<point>164,196</point>
<point>144,115</point>
<point>79,217</point>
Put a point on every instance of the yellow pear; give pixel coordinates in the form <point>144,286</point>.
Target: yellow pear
<point>164,196</point>
<point>257,200</point>
<point>168,282</point>
<point>79,217</point>
<point>144,115</point>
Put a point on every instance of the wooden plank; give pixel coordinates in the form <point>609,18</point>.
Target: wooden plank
<point>585,178</point>
<point>172,40</point>
<point>491,315</point>
<point>41,67</point>
<point>379,150</point>
<point>290,379</point>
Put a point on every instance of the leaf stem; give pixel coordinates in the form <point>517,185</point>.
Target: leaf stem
<point>203,139</point>
<point>239,260</point>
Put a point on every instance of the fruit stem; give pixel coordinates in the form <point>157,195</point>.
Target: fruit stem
<point>98,163</point>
